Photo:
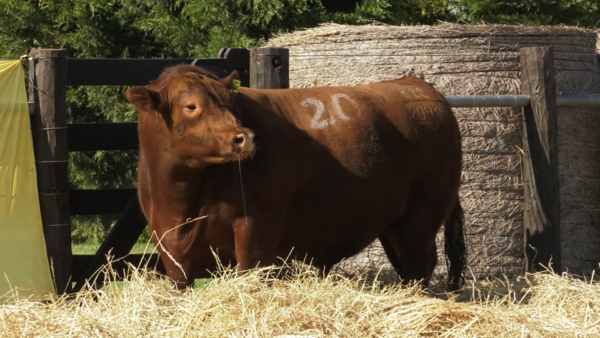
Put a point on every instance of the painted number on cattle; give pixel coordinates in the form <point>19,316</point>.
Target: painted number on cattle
<point>335,100</point>
<point>416,93</point>
<point>425,110</point>
<point>317,122</point>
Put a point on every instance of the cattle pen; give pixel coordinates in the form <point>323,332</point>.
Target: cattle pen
<point>51,71</point>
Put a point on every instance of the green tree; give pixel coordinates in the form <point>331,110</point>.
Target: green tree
<point>582,13</point>
<point>394,12</point>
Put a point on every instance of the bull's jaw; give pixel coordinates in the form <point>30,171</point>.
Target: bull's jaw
<point>231,158</point>
<point>188,151</point>
<point>205,161</point>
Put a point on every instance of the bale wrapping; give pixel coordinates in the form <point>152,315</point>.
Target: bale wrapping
<point>477,60</point>
<point>24,266</point>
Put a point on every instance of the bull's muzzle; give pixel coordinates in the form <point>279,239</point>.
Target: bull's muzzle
<point>245,142</point>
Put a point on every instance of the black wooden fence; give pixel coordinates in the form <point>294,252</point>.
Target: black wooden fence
<point>51,71</point>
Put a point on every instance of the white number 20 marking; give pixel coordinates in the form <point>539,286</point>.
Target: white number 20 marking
<point>316,122</point>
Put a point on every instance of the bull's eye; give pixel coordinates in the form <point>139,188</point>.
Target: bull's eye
<point>191,107</point>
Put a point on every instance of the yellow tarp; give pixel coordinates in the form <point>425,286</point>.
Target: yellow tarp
<point>23,259</point>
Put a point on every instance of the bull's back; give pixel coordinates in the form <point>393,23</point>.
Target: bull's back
<point>359,125</point>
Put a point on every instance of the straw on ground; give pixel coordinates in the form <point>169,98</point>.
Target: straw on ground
<point>304,304</point>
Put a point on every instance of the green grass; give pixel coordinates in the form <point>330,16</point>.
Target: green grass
<point>138,248</point>
<point>91,248</point>
<point>198,283</point>
<point>201,282</point>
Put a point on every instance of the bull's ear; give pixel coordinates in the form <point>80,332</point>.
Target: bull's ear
<point>143,99</point>
<point>232,82</point>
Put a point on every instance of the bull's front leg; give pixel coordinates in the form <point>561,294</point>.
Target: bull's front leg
<point>255,243</point>
<point>177,273</point>
<point>177,267</point>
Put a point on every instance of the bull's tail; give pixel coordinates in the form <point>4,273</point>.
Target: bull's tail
<point>454,246</point>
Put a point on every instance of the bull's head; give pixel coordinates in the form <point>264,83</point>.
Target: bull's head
<point>186,115</point>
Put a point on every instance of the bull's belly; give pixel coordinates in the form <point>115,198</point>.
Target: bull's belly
<point>322,236</point>
<point>336,216</point>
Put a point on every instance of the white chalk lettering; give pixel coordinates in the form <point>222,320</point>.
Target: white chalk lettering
<point>417,93</point>
<point>425,110</point>
<point>335,101</point>
<point>315,123</point>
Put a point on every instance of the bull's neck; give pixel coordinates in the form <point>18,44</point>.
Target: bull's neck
<point>175,192</point>
<point>184,183</point>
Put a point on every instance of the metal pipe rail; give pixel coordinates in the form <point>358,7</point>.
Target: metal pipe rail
<point>578,100</point>
<point>488,101</point>
<point>519,101</point>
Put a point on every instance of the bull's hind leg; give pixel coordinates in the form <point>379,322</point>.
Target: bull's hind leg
<point>409,244</point>
<point>390,253</point>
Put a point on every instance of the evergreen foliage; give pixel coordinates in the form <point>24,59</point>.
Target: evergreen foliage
<point>582,13</point>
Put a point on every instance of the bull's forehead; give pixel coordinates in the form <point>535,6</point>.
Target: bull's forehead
<point>185,85</point>
<point>205,88</point>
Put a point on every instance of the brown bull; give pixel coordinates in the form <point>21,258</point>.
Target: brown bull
<point>329,171</point>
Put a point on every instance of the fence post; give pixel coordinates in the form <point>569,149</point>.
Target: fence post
<point>237,58</point>
<point>48,89</point>
<point>269,68</point>
<point>540,161</point>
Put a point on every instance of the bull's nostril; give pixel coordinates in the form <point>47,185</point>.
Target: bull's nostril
<point>239,140</point>
<point>243,144</point>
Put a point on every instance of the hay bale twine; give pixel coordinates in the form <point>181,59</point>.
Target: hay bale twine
<point>477,60</point>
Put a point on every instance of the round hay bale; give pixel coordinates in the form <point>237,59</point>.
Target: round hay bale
<point>477,60</point>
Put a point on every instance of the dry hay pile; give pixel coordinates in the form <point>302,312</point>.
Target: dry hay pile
<point>477,60</point>
<point>306,305</point>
